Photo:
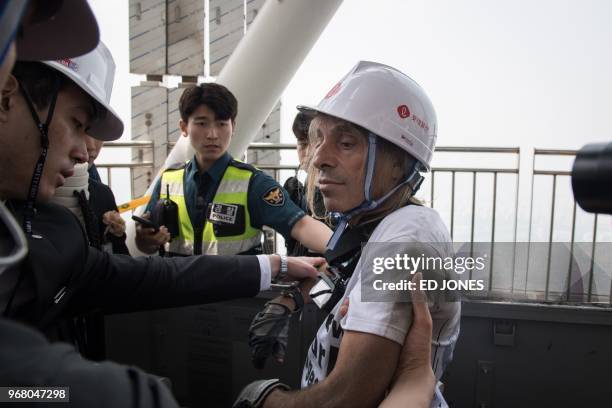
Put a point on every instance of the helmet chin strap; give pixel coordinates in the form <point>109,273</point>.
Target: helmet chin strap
<point>414,179</point>
<point>43,128</point>
<point>19,243</point>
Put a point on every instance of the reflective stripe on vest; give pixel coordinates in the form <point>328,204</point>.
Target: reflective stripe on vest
<point>233,189</point>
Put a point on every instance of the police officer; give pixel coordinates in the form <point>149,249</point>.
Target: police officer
<point>222,202</point>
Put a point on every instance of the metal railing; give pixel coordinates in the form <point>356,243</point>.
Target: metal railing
<point>452,182</point>
<point>578,287</point>
<point>495,171</point>
<point>106,168</point>
<point>489,220</point>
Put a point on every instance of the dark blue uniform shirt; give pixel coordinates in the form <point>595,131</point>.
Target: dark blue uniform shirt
<point>200,190</point>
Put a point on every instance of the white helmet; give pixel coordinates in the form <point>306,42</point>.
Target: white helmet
<point>94,73</point>
<point>387,103</point>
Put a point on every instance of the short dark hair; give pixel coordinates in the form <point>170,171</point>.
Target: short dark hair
<point>39,81</point>
<point>301,123</point>
<point>216,97</point>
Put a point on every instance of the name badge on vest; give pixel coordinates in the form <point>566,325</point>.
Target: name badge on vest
<point>227,219</point>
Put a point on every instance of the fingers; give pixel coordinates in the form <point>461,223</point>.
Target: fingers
<point>162,236</point>
<point>415,358</point>
<point>315,261</point>
<point>298,268</point>
<point>418,296</point>
<point>112,216</point>
<point>115,223</point>
<point>106,218</point>
<point>416,351</point>
<point>344,307</point>
<point>420,308</point>
<point>150,237</point>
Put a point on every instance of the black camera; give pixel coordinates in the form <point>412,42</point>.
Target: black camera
<point>592,178</point>
<point>166,213</point>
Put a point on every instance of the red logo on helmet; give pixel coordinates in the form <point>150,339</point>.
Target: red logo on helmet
<point>334,90</point>
<point>68,63</point>
<point>403,111</point>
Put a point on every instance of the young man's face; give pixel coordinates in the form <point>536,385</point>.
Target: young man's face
<point>20,143</point>
<point>339,153</point>
<point>93,149</point>
<point>209,136</point>
<point>302,151</point>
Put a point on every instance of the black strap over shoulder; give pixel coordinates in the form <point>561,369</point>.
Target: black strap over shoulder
<point>346,254</point>
<point>176,166</point>
<point>244,166</point>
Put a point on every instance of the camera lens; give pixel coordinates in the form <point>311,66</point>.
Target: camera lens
<point>592,178</point>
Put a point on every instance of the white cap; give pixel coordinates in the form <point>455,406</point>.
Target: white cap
<point>94,73</point>
<point>387,103</point>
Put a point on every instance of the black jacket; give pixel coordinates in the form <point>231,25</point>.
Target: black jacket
<point>101,200</point>
<point>63,277</point>
<point>27,359</point>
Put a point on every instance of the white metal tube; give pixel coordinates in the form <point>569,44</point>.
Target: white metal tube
<point>260,68</point>
<point>268,57</point>
<point>264,62</point>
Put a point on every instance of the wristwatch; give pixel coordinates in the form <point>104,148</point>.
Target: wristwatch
<point>282,273</point>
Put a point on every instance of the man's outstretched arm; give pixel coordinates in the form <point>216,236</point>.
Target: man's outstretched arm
<point>363,371</point>
<point>313,234</point>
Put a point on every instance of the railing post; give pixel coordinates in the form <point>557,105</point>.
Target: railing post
<point>493,232</point>
<point>550,237</point>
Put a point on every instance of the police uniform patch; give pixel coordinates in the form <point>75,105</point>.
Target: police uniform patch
<point>274,197</point>
<point>223,213</point>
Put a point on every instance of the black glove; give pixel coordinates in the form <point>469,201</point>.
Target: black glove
<point>269,333</point>
<point>254,394</point>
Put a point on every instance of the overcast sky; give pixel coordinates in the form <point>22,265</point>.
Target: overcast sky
<point>500,73</point>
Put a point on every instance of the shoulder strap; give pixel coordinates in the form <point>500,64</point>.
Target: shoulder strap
<point>243,165</point>
<point>347,252</point>
<point>176,166</point>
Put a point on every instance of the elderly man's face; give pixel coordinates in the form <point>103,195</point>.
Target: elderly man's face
<point>339,153</point>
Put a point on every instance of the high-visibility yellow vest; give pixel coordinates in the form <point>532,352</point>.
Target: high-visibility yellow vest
<point>230,197</point>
